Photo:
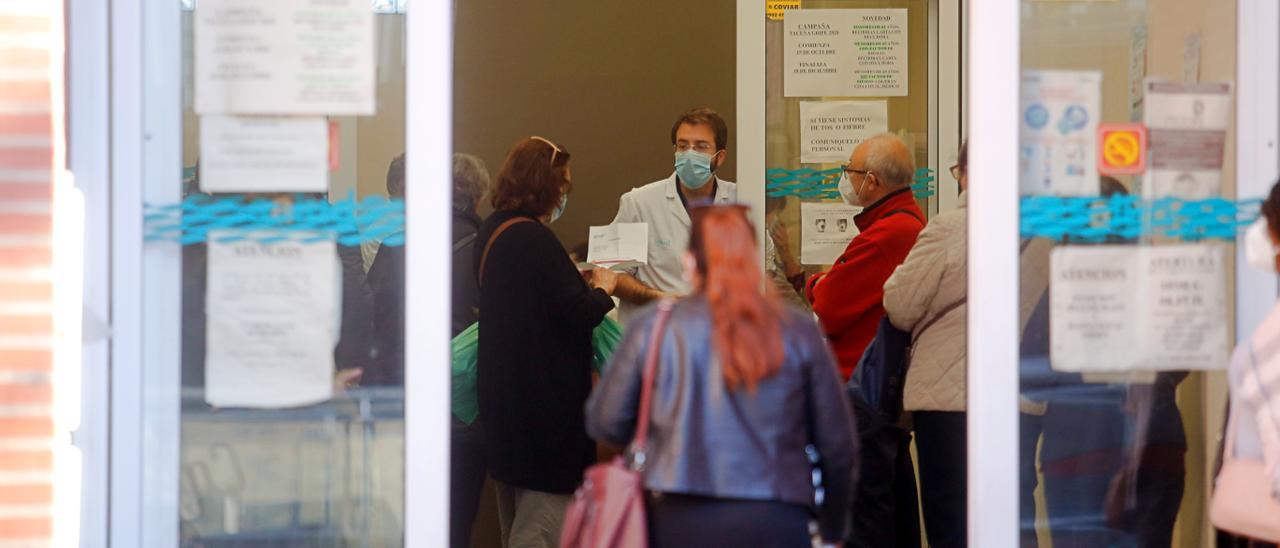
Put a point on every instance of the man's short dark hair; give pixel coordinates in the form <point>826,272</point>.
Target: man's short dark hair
<point>704,116</point>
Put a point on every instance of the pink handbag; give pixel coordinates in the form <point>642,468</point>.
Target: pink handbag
<point>1243,503</point>
<point>608,509</point>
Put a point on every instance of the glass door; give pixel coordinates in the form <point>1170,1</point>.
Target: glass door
<point>1116,206</point>
<point>836,73</point>
<point>259,388</point>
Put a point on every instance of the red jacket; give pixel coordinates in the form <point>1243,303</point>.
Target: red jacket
<point>848,299</point>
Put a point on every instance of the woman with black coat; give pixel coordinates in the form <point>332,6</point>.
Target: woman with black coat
<point>537,313</point>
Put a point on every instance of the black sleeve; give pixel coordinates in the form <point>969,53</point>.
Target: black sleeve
<point>831,428</point>
<point>573,303</point>
<point>354,346</point>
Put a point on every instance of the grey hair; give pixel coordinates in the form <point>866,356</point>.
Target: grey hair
<point>890,159</point>
<point>470,181</point>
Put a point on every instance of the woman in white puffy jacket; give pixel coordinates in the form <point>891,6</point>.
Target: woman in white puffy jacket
<point>926,296</point>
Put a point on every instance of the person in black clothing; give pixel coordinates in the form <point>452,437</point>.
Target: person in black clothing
<point>534,357</point>
<point>386,279</point>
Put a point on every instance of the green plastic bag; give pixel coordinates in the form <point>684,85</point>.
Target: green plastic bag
<point>465,346</point>
<point>606,337</point>
<point>466,406</point>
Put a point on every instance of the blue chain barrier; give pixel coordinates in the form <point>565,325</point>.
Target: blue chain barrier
<point>813,184</point>
<point>1095,218</point>
<point>350,222</point>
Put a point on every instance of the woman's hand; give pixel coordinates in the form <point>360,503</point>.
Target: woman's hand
<point>604,279</point>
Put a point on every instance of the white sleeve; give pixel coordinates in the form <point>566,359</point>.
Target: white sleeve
<point>627,210</point>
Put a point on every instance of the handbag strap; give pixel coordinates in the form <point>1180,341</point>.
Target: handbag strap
<point>938,317</point>
<point>463,242</point>
<point>498,232</point>
<point>1022,248</point>
<point>646,388</point>
<point>904,211</point>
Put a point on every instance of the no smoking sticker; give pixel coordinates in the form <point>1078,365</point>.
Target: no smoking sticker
<point>1122,149</point>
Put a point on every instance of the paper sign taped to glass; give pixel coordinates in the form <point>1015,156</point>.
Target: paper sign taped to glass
<point>264,154</point>
<point>1138,308</point>
<point>825,231</point>
<point>284,57</point>
<point>1187,134</point>
<point>830,130</point>
<point>845,53</point>
<point>273,317</point>
<point>618,246</point>
<point>1058,132</point>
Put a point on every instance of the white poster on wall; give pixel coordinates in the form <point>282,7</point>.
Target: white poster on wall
<point>829,130</point>
<point>264,154</point>
<point>1187,131</point>
<point>284,57</point>
<point>273,313</point>
<point>1138,308</point>
<point>845,53</point>
<point>1058,132</point>
<point>826,228</point>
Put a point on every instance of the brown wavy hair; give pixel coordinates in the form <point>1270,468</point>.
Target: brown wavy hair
<point>745,323</point>
<point>532,178</point>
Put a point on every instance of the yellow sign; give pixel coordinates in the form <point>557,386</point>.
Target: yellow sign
<point>774,9</point>
<point>1122,149</point>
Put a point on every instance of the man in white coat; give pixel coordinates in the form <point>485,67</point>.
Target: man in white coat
<point>699,140</point>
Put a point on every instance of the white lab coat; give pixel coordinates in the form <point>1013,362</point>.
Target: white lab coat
<point>658,204</point>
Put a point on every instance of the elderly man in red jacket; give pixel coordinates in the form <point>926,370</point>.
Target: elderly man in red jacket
<point>848,298</point>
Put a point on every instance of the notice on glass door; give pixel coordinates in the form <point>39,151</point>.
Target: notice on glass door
<point>1058,132</point>
<point>1187,131</point>
<point>272,322</point>
<point>826,228</point>
<point>829,130</point>
<point>1186,307</point>
<point>845,53</point>
<point>1138,308</point>
<point>264,154</point>
<point>284,57</point>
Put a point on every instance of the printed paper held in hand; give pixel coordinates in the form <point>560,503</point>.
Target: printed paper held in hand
<point>619,246</point>
<point>273,314</point>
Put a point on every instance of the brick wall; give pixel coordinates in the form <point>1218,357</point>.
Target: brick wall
<point>30,96</point>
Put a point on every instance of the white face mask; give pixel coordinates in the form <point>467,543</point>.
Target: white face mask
<point>1258,249</point>
<point>847,192</point>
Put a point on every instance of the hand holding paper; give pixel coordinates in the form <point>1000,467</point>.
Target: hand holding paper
<point>619,246</point>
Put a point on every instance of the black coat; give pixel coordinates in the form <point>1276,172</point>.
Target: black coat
<point>386,280</point>
<point>536,319</point>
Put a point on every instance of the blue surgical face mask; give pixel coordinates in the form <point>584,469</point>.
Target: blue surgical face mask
<point>693,168</point>
<point>559,210</point>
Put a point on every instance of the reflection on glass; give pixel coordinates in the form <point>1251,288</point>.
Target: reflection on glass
<point>332,473</point>
<point>1114,423</point>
